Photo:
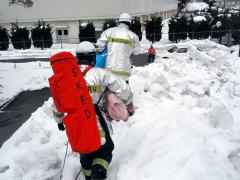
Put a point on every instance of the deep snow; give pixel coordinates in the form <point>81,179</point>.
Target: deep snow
<point>186,125</point>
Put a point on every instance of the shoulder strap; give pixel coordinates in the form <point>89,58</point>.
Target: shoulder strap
<point>102,120</point>
<point>86,70</point>
<point>102,95</point>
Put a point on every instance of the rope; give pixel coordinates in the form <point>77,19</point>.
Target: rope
<point>78,174</point>
<point>61,175</point>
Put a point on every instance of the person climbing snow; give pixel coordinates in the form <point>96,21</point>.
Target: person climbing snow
<point>121,43</point>
<point>151,54</point>
<point>95,164</point>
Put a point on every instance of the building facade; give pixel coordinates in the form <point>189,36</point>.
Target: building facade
<point>65,16</point>
<point>228,3</point>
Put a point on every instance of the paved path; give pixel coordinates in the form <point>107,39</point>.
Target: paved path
<point>138,60</point>
<point>20,109</point>
<point>23,60</point>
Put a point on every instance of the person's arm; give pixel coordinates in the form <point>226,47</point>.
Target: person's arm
<point>148,51</point>
<point>154,51</point>
<point>102,41</point>
<point>136,47</point>
<point>117,86</point>
<point>58,117</point>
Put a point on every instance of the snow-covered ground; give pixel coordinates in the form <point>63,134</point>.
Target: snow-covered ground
<point>35,52</point>
<point>186,125</point>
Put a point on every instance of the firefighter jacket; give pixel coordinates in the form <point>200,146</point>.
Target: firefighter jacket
<point>98,80</point>
<point>121,43</point>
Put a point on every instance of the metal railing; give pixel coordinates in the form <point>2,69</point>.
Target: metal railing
<point>225,37</point>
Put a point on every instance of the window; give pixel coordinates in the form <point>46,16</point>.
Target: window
<point>65,32</point>
<point>59,32</point>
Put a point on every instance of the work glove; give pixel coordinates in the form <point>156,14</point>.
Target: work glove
<point>130,109</point>
<point>61,127</point>
<point>131,113</point>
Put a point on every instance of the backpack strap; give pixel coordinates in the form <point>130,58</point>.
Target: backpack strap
<point>102,120</point>
<point>86,70</point>
<point>97,108</point>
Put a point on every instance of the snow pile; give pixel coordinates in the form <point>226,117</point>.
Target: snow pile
<point>187,131</point>
<point>35,150</point>
<point>186,125</point>
<point>21,77</point>
<point>36,52</point>
<point>196,6</point>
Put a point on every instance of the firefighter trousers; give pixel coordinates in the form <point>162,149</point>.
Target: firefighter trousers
<point>95,164</point>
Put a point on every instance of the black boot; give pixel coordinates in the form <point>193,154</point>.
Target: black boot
<point>88,177</point>
<point>98,173</point>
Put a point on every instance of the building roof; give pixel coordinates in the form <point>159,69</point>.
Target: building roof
<point>56,10</point>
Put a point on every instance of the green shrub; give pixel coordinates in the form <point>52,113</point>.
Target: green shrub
<point>42,35</point>
<point>109,23</point>
<point>20,37</point>
<point>4,39</point>
<point>154,29</point>
<point>177,28</point>
<point>135,27</point>
<point>87,32</point>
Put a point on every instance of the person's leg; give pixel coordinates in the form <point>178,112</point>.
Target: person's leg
<point>102,159</point>
<point>86,163</point>
<point>149,58</point>
<point>153,58</point>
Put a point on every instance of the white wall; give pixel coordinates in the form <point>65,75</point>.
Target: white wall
<point>71,13</point>
<point>53,10</point>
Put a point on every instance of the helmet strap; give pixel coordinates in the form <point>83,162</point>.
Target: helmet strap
<point>125,22</point>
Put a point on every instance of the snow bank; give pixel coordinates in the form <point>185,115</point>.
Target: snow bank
<point>186,125</point>
<point>21,77</point>
<point>36,52</point>
<point>36,150</point>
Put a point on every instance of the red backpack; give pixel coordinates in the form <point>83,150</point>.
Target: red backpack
<point>70,94</point>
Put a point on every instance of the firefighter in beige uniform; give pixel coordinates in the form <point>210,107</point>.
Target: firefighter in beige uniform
<point>121,43</point>
<point>95,165</point>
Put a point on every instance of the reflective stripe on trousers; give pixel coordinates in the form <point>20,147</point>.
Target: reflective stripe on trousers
<point>120,73</point>
<point>87,172</point>
<point>97,161</point>
<point>101,162</point>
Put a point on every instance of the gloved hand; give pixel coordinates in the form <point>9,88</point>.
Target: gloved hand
<point>99,50</point>
<point>131,113</point>
<point>61,127</point>
<point>130,108</point>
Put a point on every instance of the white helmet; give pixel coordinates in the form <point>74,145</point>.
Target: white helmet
<point>86,53</point>
<point>85,47</point>
<point>124,17</point>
